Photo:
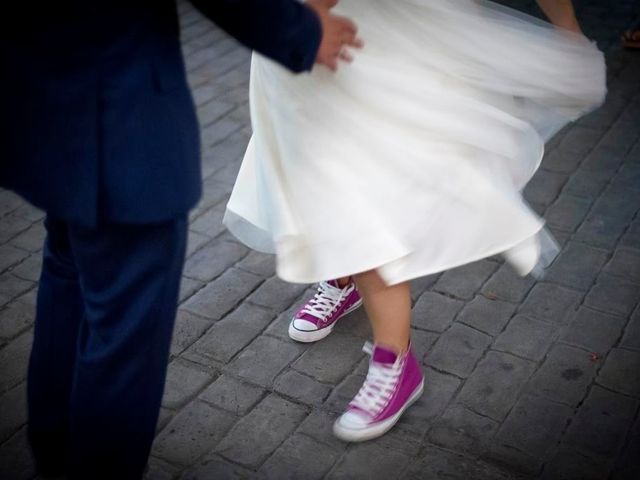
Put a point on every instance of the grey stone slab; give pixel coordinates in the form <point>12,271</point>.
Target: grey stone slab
<point>30,240</point>
<point>15,319</point>
<point>29,212</point>
<point>587,184</point>
<point>196,241</point>
<point>435,312</point>
<point>184,381</point>
<point>631,337</point>
<point>232,395</point>
<point>259,263</point>
<point>579,140</point>
<point>10,255</point>
<point>622,135</point>
<point>421,343</point>
<point>29,268</point>
<point>9,201</point>
<point>422,284</point>
<point>369,460</point>
<point>567,212</point>
<point>489,316</point>
<point>526,337</point>
<point>534,426</point>
<point>628,176</point>
<point>257,435</point>
<point>230,335</point>
<point>16,461</point>
<point>192,433</point>
<point>276,294</point>
<point>462,430</point>
<point>604,160</point>
<point>493,387</point>
<point>458,350</point>
<point>160,470</point>
<point>463,282</point>
<point>218,131</point>
<point>319,426</point>
<point>561,161</point>
<point>506,285</point>
<point>571,464</point>
<point>280,326</point>
<point>613,295</point>
<point>301,388</point>
<point>223,294</point>
<point>332,359</point>
<point>592,330</point>
<point>565,375</point>
<point>209,223</point>
<point>627,465</point>
<point>439,389</point>
<point>577,266</point>
<point>299,457</point>
<point>188,287</point>
<point>217,468</point>
<point>187,329</point>
<point>12,225</point>
<point>513,459</point>
<point>435,463</point>
<point>213,259</point>
<point>356,324</point>
<point>602,422</point>
<point>551,303</point>
<point>625,263</point>
<point>344,393</point>
<point>14,360</point>
<point>621,372</point>
<point>13,411</point>
<point>264,359</point>
<point>544,187</point>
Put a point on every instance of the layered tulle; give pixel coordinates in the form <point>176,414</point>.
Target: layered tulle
<point>411,160</point>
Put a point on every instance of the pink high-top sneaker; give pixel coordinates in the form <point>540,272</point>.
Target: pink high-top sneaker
<point>393,383</point>
<point>317,318</point>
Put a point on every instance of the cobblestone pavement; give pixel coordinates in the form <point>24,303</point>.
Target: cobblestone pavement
<point>525,379</point>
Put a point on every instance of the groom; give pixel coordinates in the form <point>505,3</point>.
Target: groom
<point>99,130</point>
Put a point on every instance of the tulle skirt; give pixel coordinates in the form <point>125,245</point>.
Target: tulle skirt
<point>412,159</point>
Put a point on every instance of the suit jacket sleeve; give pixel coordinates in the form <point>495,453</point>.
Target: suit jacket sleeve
<point>286,31</point>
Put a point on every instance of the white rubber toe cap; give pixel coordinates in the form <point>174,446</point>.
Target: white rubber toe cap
<point>304,325</point>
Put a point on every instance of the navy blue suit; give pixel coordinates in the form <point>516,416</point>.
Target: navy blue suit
<point>99,130</point>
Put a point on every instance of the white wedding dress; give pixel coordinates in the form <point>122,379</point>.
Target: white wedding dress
<point>410,160</point>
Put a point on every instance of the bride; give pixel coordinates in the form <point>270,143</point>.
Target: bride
<point>408,162</point>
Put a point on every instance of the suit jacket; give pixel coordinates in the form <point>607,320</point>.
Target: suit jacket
<point>97,118</point>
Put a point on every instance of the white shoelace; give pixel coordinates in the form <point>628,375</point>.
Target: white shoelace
<point>326,300</point>
<point>378,387</point>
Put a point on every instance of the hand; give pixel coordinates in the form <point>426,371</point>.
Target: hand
<point>337,34</point>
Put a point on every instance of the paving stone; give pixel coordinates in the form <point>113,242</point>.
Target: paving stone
<point>9,201</point>
<point>570,464</point>
<point>421,343</point>
<point>622,135</point>
<point>332,359</point>
<point>14,360</point>
<point>462,430</point>
<point>604,160</point>
<point>551,303</point>
<point>10,256</point>
<point>565,375</point>
<point>280,326</point>
<point>587,184</point>
<point>514,459</point>
<point>544,187</point>
<point>631,337</point>
<point>439,389</point>
<point>196,241</point>
<point>319,426</point>
<point>188,328</point>
<point>368,460</point>
<point>494,385</point>
<point>627,467</point>
<point>301,388</point>
<point>577,266</point>
<point>217,468</point>
<point>15,319</point>
<point>193,432</point>
<point>631,236</point>
<point>422,284</point>
<point>275,294</point>
<point>32,239</point>
<point>435,312</point>
<point>602,422</point>
<point>13,411</point>
<point>264,359</point>
<point>463,282</point>
<point>579,140</point>
<point>223,294</point>
<point>29,269</point>
<point>263,430</point>
<point>506,285</point>
<point>628,176</point>
<point>29,212</point>
<point>593,330</point>
<point>625,263</point>
<point>232,395</point>
<point>16,461</point>
<point>160,470</point>
<point>568,212</point>
<point>183,382</point>
<point>458,350</point>
<point>344,392</point>
<point>188,287</point>
<point>489,316</point>
<point>213,259</point>
<point>613,295</point>
<point>259,263</point>
<point>621,372</point>
<point>436,463</point>
<point>355,324</point>
<point>293,461</point>
<point>526,337</point>
<point>12,225</point>
<point>561,161</point>
<point>209,224</point>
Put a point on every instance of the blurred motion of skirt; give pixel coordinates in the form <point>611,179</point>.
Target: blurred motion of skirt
<point>412,159</point>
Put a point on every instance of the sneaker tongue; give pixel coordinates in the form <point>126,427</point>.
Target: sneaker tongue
<point>333,283</point>
<point>383,355</point>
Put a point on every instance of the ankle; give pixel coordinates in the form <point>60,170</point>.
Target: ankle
<point>343,282</point>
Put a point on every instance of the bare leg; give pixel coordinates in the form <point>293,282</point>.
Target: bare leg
<point>388,308</point>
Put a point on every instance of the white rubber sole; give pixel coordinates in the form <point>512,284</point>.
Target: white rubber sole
<point>315,335</point>
<point>378,429</point>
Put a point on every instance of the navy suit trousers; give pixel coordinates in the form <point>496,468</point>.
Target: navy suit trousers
<point>105,313</point>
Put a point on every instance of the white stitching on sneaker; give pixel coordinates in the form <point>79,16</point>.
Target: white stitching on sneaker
<point>326,300</point>
<point>378,387</point>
